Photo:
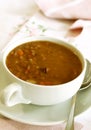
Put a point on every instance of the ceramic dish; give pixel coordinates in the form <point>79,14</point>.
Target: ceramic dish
<point>43,115</point>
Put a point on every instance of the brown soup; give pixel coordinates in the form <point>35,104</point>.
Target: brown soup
<point>45,63</point>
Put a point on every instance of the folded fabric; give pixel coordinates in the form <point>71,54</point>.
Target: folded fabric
<point>80,11</point>
<point>69,9</point>
<point>84,38</point>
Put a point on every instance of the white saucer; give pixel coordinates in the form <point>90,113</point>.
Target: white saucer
<point>43,115</point>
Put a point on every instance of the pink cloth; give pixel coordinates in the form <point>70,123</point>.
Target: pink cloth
<point>69,9</point>
<point>80,11</point>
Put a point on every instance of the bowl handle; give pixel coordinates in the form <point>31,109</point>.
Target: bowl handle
<point>12,95</point>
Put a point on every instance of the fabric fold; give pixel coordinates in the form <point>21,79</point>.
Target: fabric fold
<point>66,9</point>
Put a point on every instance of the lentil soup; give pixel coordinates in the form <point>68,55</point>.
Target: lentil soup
<point>45,63</point>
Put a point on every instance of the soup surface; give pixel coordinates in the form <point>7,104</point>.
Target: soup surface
<point>45,63</point>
